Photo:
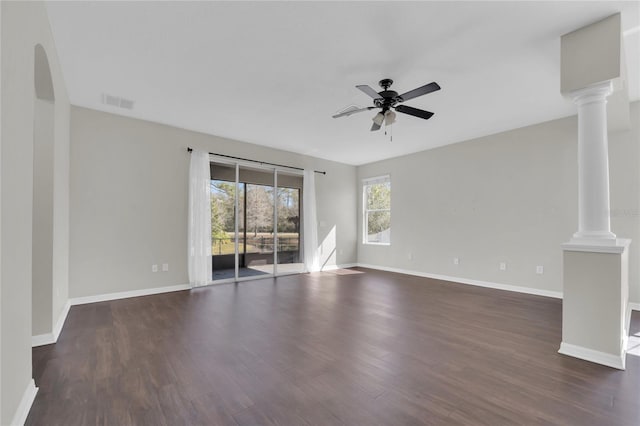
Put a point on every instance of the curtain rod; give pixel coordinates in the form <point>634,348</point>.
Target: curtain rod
<point>259,162</point>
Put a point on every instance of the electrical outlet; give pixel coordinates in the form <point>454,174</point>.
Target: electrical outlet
<point>154,268</point>
<point>539,269</point>
<point>456,261</point>
<point>503,266</point>
<point>165,267</point>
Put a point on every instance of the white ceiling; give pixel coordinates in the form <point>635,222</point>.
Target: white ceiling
<point>274,73</point>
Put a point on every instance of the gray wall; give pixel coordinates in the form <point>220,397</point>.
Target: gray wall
<point>42,238</point>
<point>509,197</point>
<point>129,201</point>
<point>24,25</point>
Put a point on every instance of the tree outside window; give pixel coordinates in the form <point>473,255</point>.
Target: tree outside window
<point>377,210</point>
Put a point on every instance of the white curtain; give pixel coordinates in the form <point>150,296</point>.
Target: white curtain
<point>199,243</point>
<point>310,237</point>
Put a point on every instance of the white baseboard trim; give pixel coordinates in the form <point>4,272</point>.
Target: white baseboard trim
<point>61,319</point>
<point>50,338</point>
<point>336,267</point>
<point>518,289</point>
<point>26,402</point>
<point>631,306</point>
<point>610,360</point>
<point>42,339</point>
<point>127,294</point>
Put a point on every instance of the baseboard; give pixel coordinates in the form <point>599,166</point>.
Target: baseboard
<point>42,339</point>
<point>631,306</point>
<point>468,281</point>
<point>61,319</point>
<point>127,294</point>
<point>335,267</point>
<point>610,360</point>
<point>26,402</point>
<point>50,338</point>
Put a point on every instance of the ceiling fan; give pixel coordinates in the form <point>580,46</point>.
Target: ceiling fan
<point>387,100</point>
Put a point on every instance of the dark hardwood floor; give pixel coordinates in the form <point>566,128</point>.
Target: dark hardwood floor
<point>352,347</point>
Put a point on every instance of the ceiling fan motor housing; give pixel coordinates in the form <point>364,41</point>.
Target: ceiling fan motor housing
<point>388,98</point>
<point>385,83</point>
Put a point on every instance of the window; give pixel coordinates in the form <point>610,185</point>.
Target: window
<point>376,194</point>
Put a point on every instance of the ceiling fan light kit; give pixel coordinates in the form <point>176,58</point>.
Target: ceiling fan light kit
<point>388,100</point>
<point>389,118</point>
<point>378,118</point>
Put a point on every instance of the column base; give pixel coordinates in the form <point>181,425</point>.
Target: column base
<point>597,245</point>
<point>595,299</point>
<point>604,236</point>
<point>610,360</point>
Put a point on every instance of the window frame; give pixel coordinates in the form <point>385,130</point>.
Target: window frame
<point>365,211</point>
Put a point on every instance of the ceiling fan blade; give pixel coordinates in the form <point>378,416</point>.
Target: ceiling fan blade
<point>375,127</point>
<point>351,111</point>
<point>414,111</point>
<point>427,88</point>
<point>369,91</point>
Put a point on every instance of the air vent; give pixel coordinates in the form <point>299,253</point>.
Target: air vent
<point>117,101</point>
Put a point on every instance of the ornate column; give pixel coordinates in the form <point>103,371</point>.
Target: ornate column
<point>595,279</point>
<point>595,262</point>
<point>593,164</point>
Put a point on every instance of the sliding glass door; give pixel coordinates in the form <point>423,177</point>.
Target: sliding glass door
<point>255,222</point>
<point>288,202</point>
<point>223,220</point>
<point>258,256</point>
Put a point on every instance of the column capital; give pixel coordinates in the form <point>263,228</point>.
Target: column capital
<point>594,93</point>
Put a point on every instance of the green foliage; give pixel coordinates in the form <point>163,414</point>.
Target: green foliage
<point>378,222</point>
<point>260,204</point>
<point>259,208</point>
<point>217,228</point>
<point>222,207</point>
<point>288,210</point>
<point>378,197</point>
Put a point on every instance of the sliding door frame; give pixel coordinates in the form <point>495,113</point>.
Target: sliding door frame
<point>275,170</point>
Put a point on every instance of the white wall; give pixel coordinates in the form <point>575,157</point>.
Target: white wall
<point>129,201</point>
<point>1,119</point>
<point>509,197</point>
<point>42,238</point>
<point>24,25</point>
<point>624,181</point>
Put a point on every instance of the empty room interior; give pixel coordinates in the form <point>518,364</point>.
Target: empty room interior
<point>320,213</point>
